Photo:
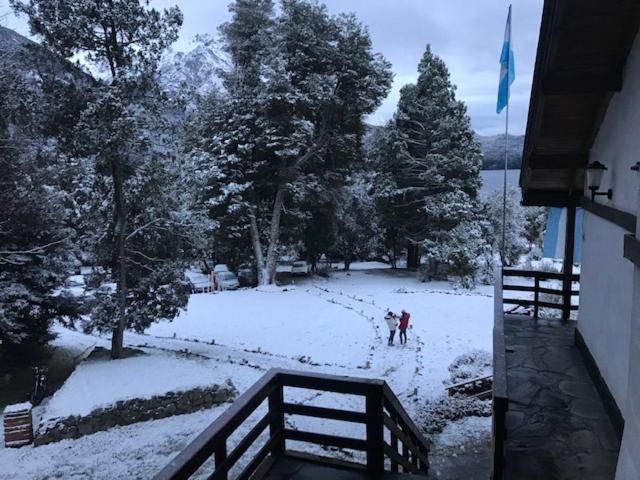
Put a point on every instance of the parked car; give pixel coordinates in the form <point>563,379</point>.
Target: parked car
<point>300,268</point>
<point>221,267</point>
<point>283,266</point>
<point>227,280</point>
<point>247,275</point>
<point>199,282</point>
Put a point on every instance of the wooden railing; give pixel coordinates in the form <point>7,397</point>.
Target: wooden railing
<point>565,293</point>
<point>408,449</point>
<point>500,404</point>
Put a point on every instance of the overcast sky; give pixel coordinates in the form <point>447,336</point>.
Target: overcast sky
<point>467,34</point>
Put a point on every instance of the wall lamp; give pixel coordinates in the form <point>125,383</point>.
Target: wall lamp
<point>595,170</point>
<point>636,167</point>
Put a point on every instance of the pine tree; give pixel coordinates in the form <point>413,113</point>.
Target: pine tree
<point>428,163</point>
<point>358,233</point>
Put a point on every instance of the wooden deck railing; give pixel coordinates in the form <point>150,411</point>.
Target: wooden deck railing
<point>408,449</point>
<point>536,289</point>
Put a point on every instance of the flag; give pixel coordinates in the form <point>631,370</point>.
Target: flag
<point>507,67</point>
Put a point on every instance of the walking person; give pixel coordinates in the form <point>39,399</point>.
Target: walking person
<point>391,320</point>
<point>404,324</point>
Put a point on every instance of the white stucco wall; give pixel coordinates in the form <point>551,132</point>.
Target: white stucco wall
<point>604,319</point>
<point>609,316</point>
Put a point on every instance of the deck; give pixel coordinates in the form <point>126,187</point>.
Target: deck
<point>556,423</point>
<point>291,468</point>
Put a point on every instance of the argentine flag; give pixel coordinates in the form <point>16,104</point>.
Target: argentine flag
<point>507,67</point>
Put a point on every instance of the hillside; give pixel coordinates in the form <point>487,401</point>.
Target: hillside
<point>32,61</point>
<point>493,151</point>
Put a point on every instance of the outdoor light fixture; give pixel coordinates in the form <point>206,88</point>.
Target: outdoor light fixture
<point>636,167</point>
<point>595,170</point>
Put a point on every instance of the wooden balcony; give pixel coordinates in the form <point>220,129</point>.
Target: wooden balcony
<point>384,417</point>
<point>551,413</point>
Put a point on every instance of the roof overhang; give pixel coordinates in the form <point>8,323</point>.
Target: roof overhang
<point>582,50</point>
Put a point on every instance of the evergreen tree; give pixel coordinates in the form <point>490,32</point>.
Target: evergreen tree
<point>128,39</point>
<point>35,239</point>
<point>358,233</point>
<point>516,243</point>
<point>429,165</point>
<point>291,119</point>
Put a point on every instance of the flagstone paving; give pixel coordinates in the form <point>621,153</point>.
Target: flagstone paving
<point>557,426</point>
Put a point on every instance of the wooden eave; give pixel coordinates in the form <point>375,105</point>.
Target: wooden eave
<point>582,51</point>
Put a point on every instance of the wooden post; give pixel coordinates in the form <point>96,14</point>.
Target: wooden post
<point>276,426</point>
<point>568,262</point>
<point>394,444</point>
<point>220,455</point>
<point>375,433</point>
<point>536,296</point>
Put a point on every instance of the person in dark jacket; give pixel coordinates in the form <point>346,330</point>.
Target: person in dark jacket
<point>404,324</point>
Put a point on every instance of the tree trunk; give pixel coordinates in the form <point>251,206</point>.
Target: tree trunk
<point>117,338</point>
<point>274,237</point>
<point>257,247</point>
<point>347,262</point>
<point>413,255</point>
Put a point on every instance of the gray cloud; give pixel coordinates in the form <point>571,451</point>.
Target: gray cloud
<point>467,34</point>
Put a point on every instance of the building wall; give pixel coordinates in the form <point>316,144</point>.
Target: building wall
<point>609,317</point>
<point>606,325</point>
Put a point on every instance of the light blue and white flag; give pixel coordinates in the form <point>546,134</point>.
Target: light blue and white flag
<point>507,67</point>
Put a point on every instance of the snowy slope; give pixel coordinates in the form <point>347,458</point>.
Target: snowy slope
<point>333,326</point>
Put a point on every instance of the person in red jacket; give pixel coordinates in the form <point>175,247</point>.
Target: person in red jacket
<point>404,324</point>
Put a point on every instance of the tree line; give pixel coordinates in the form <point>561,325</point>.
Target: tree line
<point>107,163</point>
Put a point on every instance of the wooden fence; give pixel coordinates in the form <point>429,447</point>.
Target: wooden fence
<point>407,450</point>
<point>565,293</point>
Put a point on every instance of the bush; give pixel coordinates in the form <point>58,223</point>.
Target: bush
<point>435,414</point>
<point>474,364</point>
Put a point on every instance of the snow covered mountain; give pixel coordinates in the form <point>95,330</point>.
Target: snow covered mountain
<point>194,71</point>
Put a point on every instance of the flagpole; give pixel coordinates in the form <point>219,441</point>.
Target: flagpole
<point>504,184</point>
<point>506,149</point>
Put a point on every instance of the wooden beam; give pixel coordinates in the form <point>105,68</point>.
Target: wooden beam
<point>581,84</point>
<point>632,249</point>
<point>567,266</point>
<point>621,218</point>
<point>555,162</point>
<point>550,198</point>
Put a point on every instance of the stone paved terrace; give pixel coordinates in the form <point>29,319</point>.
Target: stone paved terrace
<point>556,423</point>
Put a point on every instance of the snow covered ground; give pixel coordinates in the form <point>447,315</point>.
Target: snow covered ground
<point>333,326</point>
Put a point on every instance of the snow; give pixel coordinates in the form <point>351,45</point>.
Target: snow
<point>102,382</point>
<point>198,279</point>
<point>333,325</point>
<point>17,407</point>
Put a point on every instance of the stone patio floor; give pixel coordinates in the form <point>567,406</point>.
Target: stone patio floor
<point>557,426</point>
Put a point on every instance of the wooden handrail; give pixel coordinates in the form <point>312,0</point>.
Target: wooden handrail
<point>213,440</point>
<point>542,275</point>
<point>539,276</point>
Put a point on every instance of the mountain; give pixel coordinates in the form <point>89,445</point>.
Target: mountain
<point>493,151</point>
<point>195,71</point>
<point>33,61</point>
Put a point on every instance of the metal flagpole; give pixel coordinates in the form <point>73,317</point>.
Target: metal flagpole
<point>506,148</point>
<point>504,185</point>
